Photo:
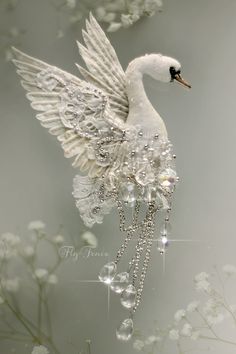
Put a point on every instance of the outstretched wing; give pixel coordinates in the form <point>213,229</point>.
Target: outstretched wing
<point>104,69</point>
<point>77,112</point>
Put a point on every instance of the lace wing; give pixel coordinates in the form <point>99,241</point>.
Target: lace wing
<point>77,112</point>
<point>104,69</point>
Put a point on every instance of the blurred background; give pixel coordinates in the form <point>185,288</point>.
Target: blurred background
<point>36,179</point>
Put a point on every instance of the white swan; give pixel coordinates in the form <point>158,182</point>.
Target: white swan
<point>109,126</point>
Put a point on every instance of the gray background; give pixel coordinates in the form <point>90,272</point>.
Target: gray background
<point>36,180</point>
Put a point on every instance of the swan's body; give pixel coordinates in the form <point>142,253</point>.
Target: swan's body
<point>98,120</point>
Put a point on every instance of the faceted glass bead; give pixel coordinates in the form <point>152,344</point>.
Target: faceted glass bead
<point>150,194</point>
<point>162,244</point>
<point>162,201</point>
<point>120,282</point>
<point>165,228</point>
<point>125,330</point>
<point>168,179</point>
<point>129,192</point>
<point>107,273</point>
<point>128,296</point>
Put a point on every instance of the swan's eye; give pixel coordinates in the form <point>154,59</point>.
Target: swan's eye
<point>173,73</point>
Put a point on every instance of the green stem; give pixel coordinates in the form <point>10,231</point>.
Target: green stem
<point>218,339</point>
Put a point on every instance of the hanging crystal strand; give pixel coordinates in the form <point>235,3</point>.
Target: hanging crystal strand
<point>150,235</point>
<point>142,241</point>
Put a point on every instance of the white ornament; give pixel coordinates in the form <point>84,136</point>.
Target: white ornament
<point>107,124</point>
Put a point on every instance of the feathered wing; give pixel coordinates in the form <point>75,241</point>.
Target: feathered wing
<point>88,117</point>
<point>77,112</point>
<point>104,69</point>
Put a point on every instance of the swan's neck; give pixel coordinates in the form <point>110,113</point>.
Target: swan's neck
<point>141,111</point>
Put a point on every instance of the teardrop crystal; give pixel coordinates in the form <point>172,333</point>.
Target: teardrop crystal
<point>107,273</point>
<point>125,330</point>
<point>120,282</point>
<point>162,244</point>
<point>128,296</point>
<point>129,193</point>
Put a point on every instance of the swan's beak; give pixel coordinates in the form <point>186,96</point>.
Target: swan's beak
<point>182,82</point>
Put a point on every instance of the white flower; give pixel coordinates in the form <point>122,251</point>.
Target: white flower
<point>36,225</point>
<point>52,279</point>
<point>127,20</point>
<point>195,335</point>
<point>11,285</point>
<point>8,245</point>
<point>109,17</point>
<point>29,252</point>
<point>179,315</point>
<point>201,277</point>
<point>138,344</point>
<point>215,319</point>
<point>229,269</point>
<point>203,285</point>
<point>100,13</point>
<point>58,239</point>
<point>186,330</point>
<point>114,26</point>
<point>90,239</point>
<point>40,350</point>
<point>192,306</point>
<point>174,334</point>
<point>152,339</point>
<point>71,3</point>
<point>41,274</point>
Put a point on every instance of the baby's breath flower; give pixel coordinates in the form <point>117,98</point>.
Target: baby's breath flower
<point>186,330</point>
<point>214,319</point>
<point>201,277</point>
<point>10,285</point>
<point>179,315</point>
<point>8,245</point>
<point>203,285</point>
<point>58,239</point>
<point>229,269</point>
<point>174,334</point>
<point>28,252</point>
<point>90,239</point>
<point>100,13</point>
<point>41,274</point>
<point>192,306</point>
<point>114,26</point>
<point>138,344</point>
<point>195,335</point>
<point>40,349</point>
<point>152,339</point>
<point>71,3</point>
<point>52,279</point>
<point>36,225</point>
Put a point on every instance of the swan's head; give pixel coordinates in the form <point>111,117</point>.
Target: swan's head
<point>165,69</point>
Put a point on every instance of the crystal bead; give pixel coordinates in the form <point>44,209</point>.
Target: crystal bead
<point>107,273</point>
<point>162,201</point>
<point>167,179</point>
<point>150,194</point>
<point>125,330</point>
<point>165,228</point>
<point>120,282</point>
<point>129,192</point>
<point>162,244</point>
<point>128,296</point>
